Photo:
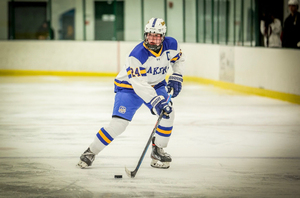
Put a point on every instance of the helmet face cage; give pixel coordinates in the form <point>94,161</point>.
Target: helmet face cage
<point>155,26</point>
<point>152,47</point>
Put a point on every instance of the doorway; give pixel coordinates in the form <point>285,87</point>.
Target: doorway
<point>109,20</point>
<point>25,19</point>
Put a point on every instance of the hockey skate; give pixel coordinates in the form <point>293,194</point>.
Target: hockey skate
<point>160,159</point>
<point>86,159</point>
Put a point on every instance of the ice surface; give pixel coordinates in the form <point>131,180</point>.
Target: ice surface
<point>224,144</point>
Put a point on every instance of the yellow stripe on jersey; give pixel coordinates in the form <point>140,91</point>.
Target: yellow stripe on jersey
<point>123,85</point>
<point>129,73</point>
<point>143,71</point>
<point>174,59</point>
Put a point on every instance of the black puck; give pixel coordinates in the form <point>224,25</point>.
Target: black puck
<point>118,176</point>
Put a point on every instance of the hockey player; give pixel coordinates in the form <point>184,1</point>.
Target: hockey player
<point>142,81</point>
<point>291,29</point>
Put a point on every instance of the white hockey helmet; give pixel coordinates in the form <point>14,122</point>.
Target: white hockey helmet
<point>293,2</point>
<point>157,26</point>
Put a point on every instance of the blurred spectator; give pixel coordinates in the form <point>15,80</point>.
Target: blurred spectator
<point>291,29</point>
<point>45,32</point>
<point>270,27</point>
<point>70,33</point>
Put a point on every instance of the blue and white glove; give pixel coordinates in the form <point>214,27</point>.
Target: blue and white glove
<point>160,104</point>
<point>175,81</point>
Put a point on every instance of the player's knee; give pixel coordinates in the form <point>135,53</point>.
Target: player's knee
<point>116,126</point>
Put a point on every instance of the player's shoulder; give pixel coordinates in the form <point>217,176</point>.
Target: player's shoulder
<point>170,43</point>
<point>140,53</point>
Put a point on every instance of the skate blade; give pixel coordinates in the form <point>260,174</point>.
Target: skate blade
<point>159,164</point>
<point>81,164</point>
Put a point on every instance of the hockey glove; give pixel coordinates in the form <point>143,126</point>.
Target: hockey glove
<point>175,81</point>
<point>159,104</point>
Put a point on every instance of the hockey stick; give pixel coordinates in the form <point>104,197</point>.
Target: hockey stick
<point>133,173</point>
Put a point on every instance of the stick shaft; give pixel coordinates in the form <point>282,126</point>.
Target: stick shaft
<point>133,173</point>
<point>147,145</point>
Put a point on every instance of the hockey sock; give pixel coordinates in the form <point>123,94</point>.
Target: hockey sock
<point>164,131</point>
<point>107,134</point>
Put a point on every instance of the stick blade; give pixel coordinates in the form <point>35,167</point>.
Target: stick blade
<point>129,173</point>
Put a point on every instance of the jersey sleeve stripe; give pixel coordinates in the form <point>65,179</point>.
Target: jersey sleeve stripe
<point>174,59</point>
<point>129,73</point>
<point>177,57</point>
<point>143,71</point>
